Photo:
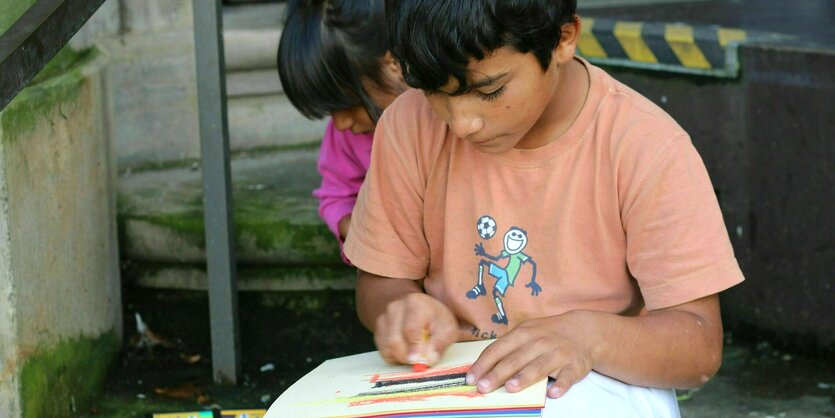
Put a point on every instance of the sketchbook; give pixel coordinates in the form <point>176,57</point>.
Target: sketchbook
<point>363,385</point>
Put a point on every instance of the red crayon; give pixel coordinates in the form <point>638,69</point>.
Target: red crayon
<point>422,363</point>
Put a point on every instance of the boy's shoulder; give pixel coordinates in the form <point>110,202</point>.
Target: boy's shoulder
<point>411,106</point>
<point>409,122</point>
<point>632,123</point>
<point>626,106</point>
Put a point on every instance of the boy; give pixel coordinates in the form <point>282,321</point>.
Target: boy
<point>516,162</point>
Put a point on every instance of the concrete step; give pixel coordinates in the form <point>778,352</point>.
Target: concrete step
<point>249,16</point>
<point>253,83</point>
<point>250,278</point>
<point>153,93</point>
<point>154,101</point>
<point>251,49</point>
<point>268,121</point>
<point>276,220</point>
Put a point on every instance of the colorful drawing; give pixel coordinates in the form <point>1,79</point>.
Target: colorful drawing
<point>365,386</point>
<point>411,386</point>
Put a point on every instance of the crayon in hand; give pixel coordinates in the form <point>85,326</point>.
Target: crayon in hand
<point>422,363</point>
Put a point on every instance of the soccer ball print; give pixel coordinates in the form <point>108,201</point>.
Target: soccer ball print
<point>486,227</point>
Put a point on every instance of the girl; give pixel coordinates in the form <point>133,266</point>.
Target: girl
<point>332,60</point>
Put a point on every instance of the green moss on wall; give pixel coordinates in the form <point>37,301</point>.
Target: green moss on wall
<point>63,61</point>
<point>66,376</point>
<point>59,83</point>
<point>270,221</point>
<point>312,242</point>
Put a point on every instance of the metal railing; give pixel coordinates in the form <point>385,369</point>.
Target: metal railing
<point>217,190</point>
<point>34,39</point>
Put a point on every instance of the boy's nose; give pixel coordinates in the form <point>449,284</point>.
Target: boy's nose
<point>465,125</point>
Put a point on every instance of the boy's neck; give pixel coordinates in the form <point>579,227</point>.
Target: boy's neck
<point>569,97</point>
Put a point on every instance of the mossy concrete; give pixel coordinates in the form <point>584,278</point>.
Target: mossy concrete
<point>250,278</point>
<point>58,83</point>
<point>276,219</point>
<point>59,270</point>
<point>62,380</point>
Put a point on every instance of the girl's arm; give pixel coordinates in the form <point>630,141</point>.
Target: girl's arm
<point>343,162</point>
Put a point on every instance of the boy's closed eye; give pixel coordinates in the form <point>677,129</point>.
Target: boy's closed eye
<point>495,94</point>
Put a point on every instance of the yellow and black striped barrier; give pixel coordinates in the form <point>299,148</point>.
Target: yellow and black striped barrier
<point>705,50</point>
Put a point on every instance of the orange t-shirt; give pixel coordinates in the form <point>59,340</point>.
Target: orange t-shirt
<point>617,215</point>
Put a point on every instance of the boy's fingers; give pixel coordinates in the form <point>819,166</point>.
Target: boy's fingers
<point>382,337</point>
<point>533,372</point>
<point>505,369</point>
<point>389,338</point>
<point>441,336</point>
<point>416,327</point>
<point>567,377</point>
<point>488,359</point>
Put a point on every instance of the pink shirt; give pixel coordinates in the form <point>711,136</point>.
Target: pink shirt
<point>343,161</point>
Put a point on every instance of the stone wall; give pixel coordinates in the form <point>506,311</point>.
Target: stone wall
<point>60,320</point>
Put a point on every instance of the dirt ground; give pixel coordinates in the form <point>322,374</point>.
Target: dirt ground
<point>285,336</point>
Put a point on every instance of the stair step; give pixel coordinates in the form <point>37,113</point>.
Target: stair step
<point>276,219</point>
<point>265,121</point>
<point>250,278</point>
<point>267,15</point>
<point>251,49</point>
<point>253,83</point>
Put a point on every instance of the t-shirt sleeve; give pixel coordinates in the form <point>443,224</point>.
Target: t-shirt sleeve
<point>386,236</point>
<point>678,247</point>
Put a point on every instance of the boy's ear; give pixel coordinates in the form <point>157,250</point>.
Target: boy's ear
<point>570,35</point>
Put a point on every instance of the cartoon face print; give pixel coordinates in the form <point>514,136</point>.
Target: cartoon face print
<point>515,240</point>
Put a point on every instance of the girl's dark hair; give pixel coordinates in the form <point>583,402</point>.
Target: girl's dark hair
<point>327,47</point>
<point>436,39</point>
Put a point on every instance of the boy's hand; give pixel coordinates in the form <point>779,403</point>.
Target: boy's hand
<point>559,346</point>
<point>399,332</point>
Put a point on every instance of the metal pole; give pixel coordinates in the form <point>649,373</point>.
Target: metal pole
<point>217,185</point>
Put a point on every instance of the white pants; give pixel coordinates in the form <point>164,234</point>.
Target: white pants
<point>601,396</point>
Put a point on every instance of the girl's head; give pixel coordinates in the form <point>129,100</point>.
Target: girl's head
<point>332,60</point>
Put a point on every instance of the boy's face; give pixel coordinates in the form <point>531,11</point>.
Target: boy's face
<point>514,103</point>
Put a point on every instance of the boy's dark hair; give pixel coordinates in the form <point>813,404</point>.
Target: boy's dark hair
<point>435,39</point>
<point>327,47</point>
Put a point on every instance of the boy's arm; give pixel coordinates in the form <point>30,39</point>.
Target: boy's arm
<point>676,347</point>
<point>398,312</point>
<point>374,293</point>
<point>680,346</point>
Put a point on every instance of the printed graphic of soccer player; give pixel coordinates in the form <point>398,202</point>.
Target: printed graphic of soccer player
<point>515,241</point>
